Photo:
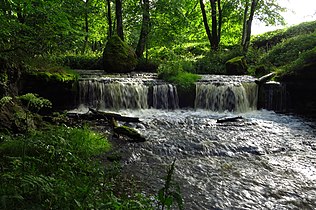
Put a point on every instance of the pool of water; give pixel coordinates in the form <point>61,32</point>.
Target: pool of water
<point>263,161</point>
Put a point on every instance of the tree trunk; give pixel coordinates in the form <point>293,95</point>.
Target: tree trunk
<point>214,39</point>
<point>243,41</point>
<point>220,20</point>
<point>144,30</point>
<point>254,4</point>
<point>86,24</point>
<point>207,28</point>
<point>119,19</point>
<point>109,17</point>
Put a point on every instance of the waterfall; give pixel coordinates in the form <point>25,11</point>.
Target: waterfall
<point>273,96</point>
<point>221,97</point>
<point>107,94</point>
<point>213,92</point>
<point>115,95</point>
<point>165,96</point>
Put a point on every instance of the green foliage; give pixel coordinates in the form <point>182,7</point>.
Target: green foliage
<point>5,100</point>
<point>87,61</point>
<point>289,50</point>
<point>305,60</point>
<point>170,193</point>
<point>52,169</point>
<point>269,39</point>
<point>33,101</point>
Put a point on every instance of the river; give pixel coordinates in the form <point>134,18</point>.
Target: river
<point>263,161</point>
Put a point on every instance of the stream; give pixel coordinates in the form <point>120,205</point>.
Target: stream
<point>264,161</point>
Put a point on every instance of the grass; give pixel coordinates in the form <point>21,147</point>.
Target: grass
<point>57,168</point>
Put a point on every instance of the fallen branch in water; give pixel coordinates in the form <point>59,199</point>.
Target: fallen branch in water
<point>229,119</point>
<point>110,115</point>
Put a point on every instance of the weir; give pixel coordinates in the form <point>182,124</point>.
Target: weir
<point>216,93</point>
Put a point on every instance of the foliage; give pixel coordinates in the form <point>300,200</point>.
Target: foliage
<point>87,61</point>
<point>170,193</point>
<point>33,101</point>
<point>305,60</point>
<point>272,38</point>
<point>5,100</point>
<point>289,50</point>
<point>55,169</point>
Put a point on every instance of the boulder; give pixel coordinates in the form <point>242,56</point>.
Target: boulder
<point>236,66</point>
<point>118,57</point>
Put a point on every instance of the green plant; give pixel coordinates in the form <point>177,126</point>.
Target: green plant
<point>4,100</point>
<point>170,193</point>
<point>33,101</point>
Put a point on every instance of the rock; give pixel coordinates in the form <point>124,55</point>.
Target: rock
<point>118,57</point>
<point>236,66</point>
<point>129,132</point>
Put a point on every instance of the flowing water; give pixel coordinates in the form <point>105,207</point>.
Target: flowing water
<point>262,161</point>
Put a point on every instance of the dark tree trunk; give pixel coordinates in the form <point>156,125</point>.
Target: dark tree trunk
<point>207,28</point>
<point>245,23</point>
<point>119,19</point>
<point>248,24</point>
<point>109,17</point>
<point>144,30</point>
<point>86,26</point>
<point>214,39</point>
<point>220,20</point>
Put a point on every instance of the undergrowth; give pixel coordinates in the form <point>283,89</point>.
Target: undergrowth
<point>57,168</point>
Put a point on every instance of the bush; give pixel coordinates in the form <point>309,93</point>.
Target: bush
<point>270,39</point>
<point>305,60</point>
<point>289,50</point>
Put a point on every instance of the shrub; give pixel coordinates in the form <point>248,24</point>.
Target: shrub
<point>289,50</point>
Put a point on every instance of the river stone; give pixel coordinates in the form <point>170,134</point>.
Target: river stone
<point>236,66</point>
<point>118,57</point>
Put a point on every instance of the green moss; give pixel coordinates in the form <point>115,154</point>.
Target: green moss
<point>236,66</point>
<point>62,76</point>
<point>118,56</point>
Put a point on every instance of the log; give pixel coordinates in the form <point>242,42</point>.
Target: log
<point>110,115</point>
<point>264,78</point>
<point>229,119</point>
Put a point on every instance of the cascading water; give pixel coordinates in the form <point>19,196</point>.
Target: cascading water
<point>263,161</point>
<point>107,93</point>
<point>231,97</point>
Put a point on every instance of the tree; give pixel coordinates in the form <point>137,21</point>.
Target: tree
<point>267,11</point>
<point>247,23</point>
<point>214,35</point>
<point>119,19</point>
<point>144,29</point>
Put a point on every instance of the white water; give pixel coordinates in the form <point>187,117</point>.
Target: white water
<point>265,161</point>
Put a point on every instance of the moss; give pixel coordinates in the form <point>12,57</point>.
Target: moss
<point>236,66</point>
<point>118,56</point>
<point>62,76</point>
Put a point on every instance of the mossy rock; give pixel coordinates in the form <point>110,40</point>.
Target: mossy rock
<point>118,57</point>
<point>236,66</point>
<point>129,132</point>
